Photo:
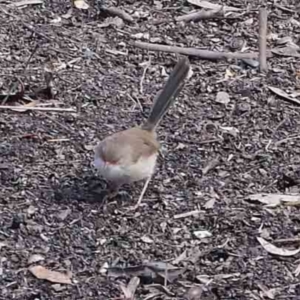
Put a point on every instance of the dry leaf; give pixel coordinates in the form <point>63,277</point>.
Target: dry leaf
<point>81,4</point>
<point>42,273</point>
<point>230,130</point>
<point>210,203</point>
<point>297,271</point>
<point>209,5</point>
<point>2,245</point>
<point>202,234</point>
<point>146,239</point>
<point>275,250</point>
<point>35,258</point>
<point>283,94</point>
<point>130,289</point>
<point>270,293</point>
<point>274,199</point>
<point>194,293</point>
<point>288,51</point>
<point>223,98</point>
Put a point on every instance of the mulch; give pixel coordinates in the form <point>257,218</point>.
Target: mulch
<point>213,154</point>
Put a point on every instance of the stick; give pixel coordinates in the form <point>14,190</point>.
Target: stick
<point>204,54</point>
<point>262,39</point>
<point>115,11</point>
<point>201,15</point>
<point>24,108</point>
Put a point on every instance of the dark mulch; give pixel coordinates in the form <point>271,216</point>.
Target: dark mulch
<point>48,203</point>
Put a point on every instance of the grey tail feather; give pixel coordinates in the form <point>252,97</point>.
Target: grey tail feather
<point>168,94</point>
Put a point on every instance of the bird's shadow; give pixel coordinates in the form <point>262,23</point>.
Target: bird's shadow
<point>85,186</point>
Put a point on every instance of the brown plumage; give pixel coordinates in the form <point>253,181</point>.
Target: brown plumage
<point>130,155</point>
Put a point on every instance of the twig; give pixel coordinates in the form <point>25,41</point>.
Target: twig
<point>262,39</point>
<point>115,11</point>
<point>188,214</point>
<point>201,15</point>
<point>143,76</point>
<point>204,54</point>
<point>24,108</point>
<point>288,240</point>
<point>211,165</point>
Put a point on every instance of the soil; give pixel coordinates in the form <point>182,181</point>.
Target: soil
<point>213,154</point>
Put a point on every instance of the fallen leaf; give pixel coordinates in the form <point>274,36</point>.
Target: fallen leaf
<point>35,258</point>
<point>89,147</point>
<point>230,130</point>
<point>68,15</point>
<point>81,4</point>
<point>146,239</point>
<point>206,279</point>
<point>104,267</point>
<point>288,51</point>
<point>210,204</point>
<point>297,271</point>
<point>202,234</point>
<point>62,215</point>
<point>274,199</point>
<point>194,293</point>
<point>222,97</point>
<point>275,250</point>
<point>209,5</point>
<point>57,277</point>
<point>130,289</point>
<point>116,21</point>
<point>2,245</point>
<point>180,258</point>
<point>270,293</point>
<point>57,287</point>
<point>283,94</point>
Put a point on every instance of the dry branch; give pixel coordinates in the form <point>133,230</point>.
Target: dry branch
<point>204,54</point>
<point>262,40</point>
<point>201,15</point>
<point>115,11</point>
<point>24,108</point>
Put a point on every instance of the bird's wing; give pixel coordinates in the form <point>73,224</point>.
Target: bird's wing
<point>126,147</point>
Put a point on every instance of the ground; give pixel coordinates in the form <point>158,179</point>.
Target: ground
<point>50,208</point>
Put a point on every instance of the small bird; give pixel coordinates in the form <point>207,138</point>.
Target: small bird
<point>130,155</point>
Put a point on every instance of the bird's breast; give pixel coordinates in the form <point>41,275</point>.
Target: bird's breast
<point>126,172</point>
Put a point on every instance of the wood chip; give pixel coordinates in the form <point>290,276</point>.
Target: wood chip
<point>188,214</point>
<point>35,258</point>
<point>81,4</point>
<point>223,98</point>
<point>130,289</point>
<point>26,2</point>
<point>209,5</point>
<point>202,234</point>
<point>41,272</point>
<point>273,200</point>
<point>146,239</point>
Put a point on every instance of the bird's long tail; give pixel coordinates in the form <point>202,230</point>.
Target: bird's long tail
<point>168,94</point>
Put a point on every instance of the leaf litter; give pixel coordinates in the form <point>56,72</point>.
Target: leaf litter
<point>53,176</point>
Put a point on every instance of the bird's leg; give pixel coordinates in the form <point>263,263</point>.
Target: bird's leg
<point>142,194</point>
